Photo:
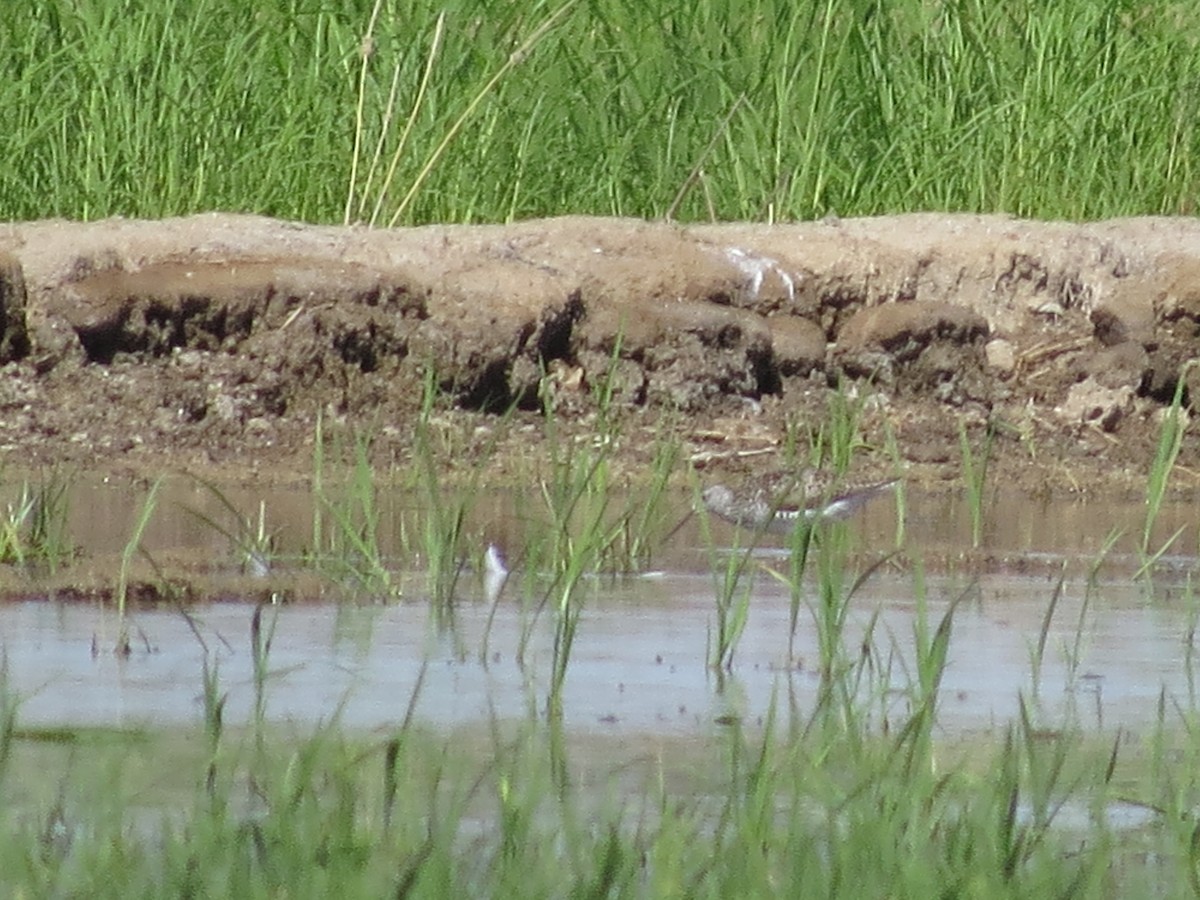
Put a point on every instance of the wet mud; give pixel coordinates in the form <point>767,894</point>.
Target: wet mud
<point>214,343</point>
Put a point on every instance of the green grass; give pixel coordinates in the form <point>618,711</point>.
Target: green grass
<point>347,547</point>
<point>1171,433</point>
<point>762,110</point>
<point>133,547</point>
<point>33,527</point>
<point>590,527</point>
<point>975,462</point>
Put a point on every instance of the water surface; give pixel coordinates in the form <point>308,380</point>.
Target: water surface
<point>640,664</point>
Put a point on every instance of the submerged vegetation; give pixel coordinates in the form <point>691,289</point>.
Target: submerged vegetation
<point>379,111</point>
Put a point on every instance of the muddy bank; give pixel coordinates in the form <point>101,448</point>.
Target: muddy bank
<point>212,343</point>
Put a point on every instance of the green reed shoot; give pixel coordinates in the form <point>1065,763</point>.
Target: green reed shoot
<point>732,589</point>
<point>893,450</point>
<point>261,636</point>
<point>577,502</point>
<point>839,672</point>
<point>1073,654</point>
<point>318,537</point>
<point>839,435</point>
<point>1045,764</point>
<point>975,464</point>
<point>1149,561</point>
<point>251,540</point>
<point>1189,641</point>
<point>346,544</point>
<point>932,653</point>
<point>13,528</point>
<point>357,520</point>
<point>132,547</point>
<point>34,527</point>
<point>800,543</point>
<point>604,389</point>
<point>214,718</point>
<point>8,717</point>
<point>832,602</point>
<point>1039,650</point>
<point>1166,452</point>
<point>568,610</point>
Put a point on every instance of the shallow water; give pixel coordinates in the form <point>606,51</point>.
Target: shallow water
<point>639,664</point>
<point>1018,531</point>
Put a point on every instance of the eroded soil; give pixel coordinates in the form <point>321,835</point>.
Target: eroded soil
<point>213,343</point>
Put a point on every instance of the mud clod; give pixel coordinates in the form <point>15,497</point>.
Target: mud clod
<point>224,337</point>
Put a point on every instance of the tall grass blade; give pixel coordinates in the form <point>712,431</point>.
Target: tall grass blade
<point>8,717</point>
<point>133,546</point>
<point>1039,651</point>
<point>1166,452</point>
<point>975,471</point>
<point>515,58</point>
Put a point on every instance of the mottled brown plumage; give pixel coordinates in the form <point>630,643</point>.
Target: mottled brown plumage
<point>821,500</point>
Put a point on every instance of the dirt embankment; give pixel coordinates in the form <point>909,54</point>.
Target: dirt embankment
<point>213,342</point>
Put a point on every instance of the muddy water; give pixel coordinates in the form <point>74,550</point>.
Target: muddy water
<point>1019,533</point>
<point>638,666</point>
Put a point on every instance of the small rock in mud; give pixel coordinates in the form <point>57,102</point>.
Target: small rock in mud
<point>1091,403</point>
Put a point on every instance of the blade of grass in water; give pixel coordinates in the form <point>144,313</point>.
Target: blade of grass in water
<point>975,471</point>
<point>1166,451</point>
<point>133,546</point>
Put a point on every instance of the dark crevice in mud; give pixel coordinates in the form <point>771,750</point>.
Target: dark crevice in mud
<point>725,298</point>
<point>157,328</point>
<point>836,305</point>
<point>489,390</point>
<point>766,373</point>
<point>365,348</point>
<point>1161,387</point>
<point>727,337</point>
<point>14,338</point>
<point>558,330</point>
<point>14,343</point>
